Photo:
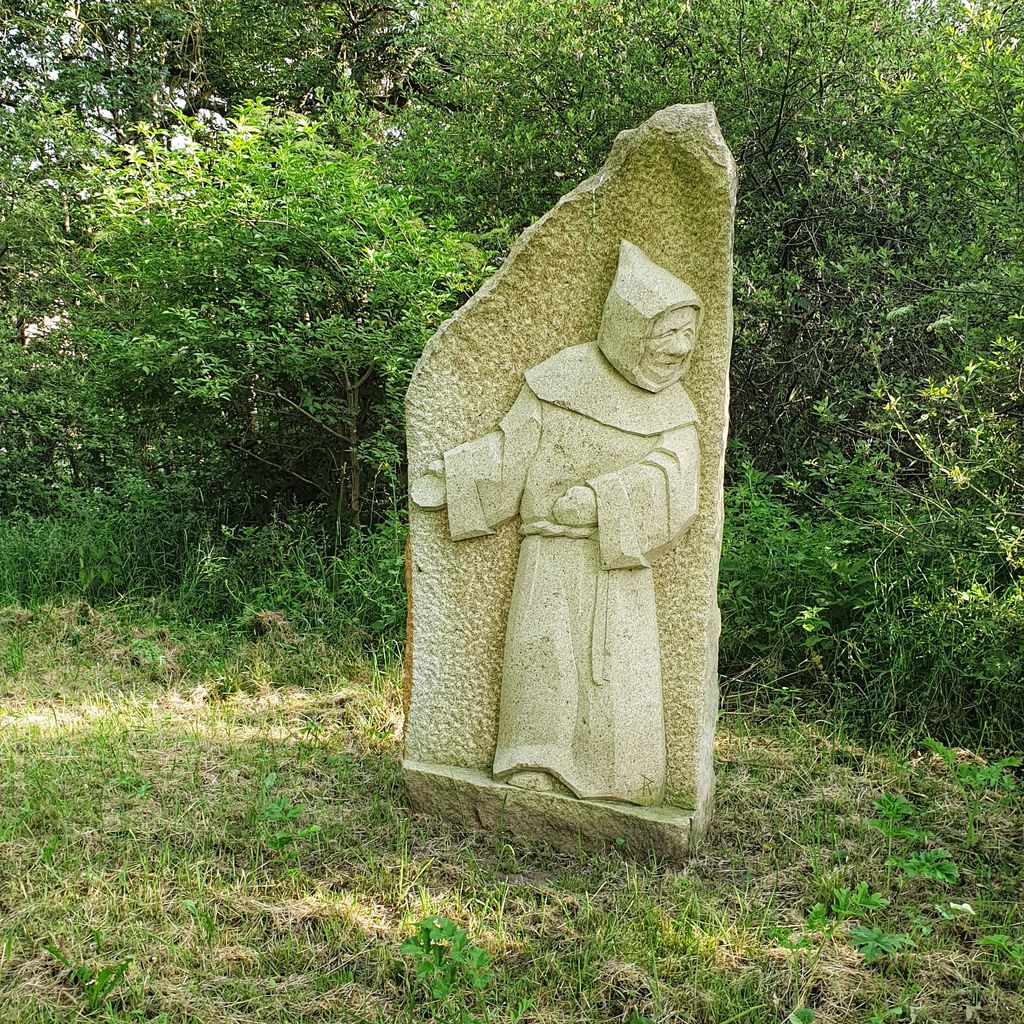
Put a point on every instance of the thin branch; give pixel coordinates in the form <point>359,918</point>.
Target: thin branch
<point>305,412</point>
<point>283,469</point>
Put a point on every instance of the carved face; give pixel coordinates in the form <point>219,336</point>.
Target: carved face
<point>649,323</point>
<point>666,354</point>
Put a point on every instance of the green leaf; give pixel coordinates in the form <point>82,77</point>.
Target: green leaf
<point>874,943</point>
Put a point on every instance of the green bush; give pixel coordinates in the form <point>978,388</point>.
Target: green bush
<point>215,421</point>
<point>253,304</point>
<point>208,323</point>
<point>886,578</point>
<point>156,550</point>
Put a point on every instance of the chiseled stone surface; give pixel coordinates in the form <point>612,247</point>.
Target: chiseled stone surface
<point>474,799</point>
<point>666,195</point>
<point>599,459</point>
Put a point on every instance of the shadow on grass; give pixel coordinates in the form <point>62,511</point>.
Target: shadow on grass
<point>246,852</point>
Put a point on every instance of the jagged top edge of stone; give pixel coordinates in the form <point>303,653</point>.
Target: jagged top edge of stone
<point>680,119</point>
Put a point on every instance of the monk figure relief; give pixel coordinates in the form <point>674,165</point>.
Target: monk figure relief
<point>599,458</point>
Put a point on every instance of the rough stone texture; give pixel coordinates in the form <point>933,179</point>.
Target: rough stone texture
<point>474,799</point>
<point>669,187</point>
<point>599,459</point>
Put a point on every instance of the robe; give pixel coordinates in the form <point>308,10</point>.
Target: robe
<point>581,680</point>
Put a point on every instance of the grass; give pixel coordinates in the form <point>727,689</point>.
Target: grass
<point>203,825</point>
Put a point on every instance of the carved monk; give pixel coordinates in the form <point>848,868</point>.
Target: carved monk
<point>599,458</point>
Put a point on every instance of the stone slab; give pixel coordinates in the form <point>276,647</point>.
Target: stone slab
<point>668,187</point>
<point>474,799</point>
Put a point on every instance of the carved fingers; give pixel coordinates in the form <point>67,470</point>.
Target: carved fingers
<point>577,507</point>
<point>429,491</point>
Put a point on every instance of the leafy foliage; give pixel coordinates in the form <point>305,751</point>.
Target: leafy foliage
<point>936,865</point>
<point>846,903</point>
<point>252,305</point>
<point>211,302</point>
<point>873,943</point>
<point>873,602</point>
<point>119,63</point>
<point>447,965</point>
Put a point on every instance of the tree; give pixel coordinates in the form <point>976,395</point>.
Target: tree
<point>249,308</point>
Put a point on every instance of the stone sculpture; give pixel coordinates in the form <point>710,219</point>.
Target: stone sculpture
<point>599,458</point>
<point>566,436</point>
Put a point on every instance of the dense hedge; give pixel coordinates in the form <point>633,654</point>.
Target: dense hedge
<point>211,303</point>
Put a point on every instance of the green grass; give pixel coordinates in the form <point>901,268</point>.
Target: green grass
<point>203,825</point>
<point>155,550</point>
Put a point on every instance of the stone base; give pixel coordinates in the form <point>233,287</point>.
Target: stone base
<point>474,799</point>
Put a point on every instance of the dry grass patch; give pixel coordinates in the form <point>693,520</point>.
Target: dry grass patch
<point>216,821</point>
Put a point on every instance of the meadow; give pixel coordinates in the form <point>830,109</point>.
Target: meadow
<point>201,825</point>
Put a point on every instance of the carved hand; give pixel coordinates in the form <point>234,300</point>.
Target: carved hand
<point>577,507</point>
<point>430,491</point>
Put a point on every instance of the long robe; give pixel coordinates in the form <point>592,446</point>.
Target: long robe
<point>581,682</point>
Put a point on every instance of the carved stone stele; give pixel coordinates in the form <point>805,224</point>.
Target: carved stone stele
<point>566,433</point>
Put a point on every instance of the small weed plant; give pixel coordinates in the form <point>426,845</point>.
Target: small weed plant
<point>845,904</point>
<point>449,970</point>
<point>96,983</point>
<point>977,781</point>
<point>280,818</point>
<point>937,865</point>
<point>803,1015</point>
<point>894,821</point>
<point>874,943</point>
<point>1007,949</point>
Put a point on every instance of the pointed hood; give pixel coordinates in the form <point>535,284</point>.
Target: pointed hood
<point>641,293</point>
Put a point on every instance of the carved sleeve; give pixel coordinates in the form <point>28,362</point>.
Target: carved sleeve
<point>644,509</point>
<point>485,477</point>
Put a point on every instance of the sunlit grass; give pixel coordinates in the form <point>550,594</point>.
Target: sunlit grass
<point>221,816</point>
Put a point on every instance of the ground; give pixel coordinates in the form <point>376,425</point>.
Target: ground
<point>207,825</point>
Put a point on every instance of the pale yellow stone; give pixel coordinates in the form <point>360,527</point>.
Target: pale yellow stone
<point>599,459</point>
<point>667,191</point>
